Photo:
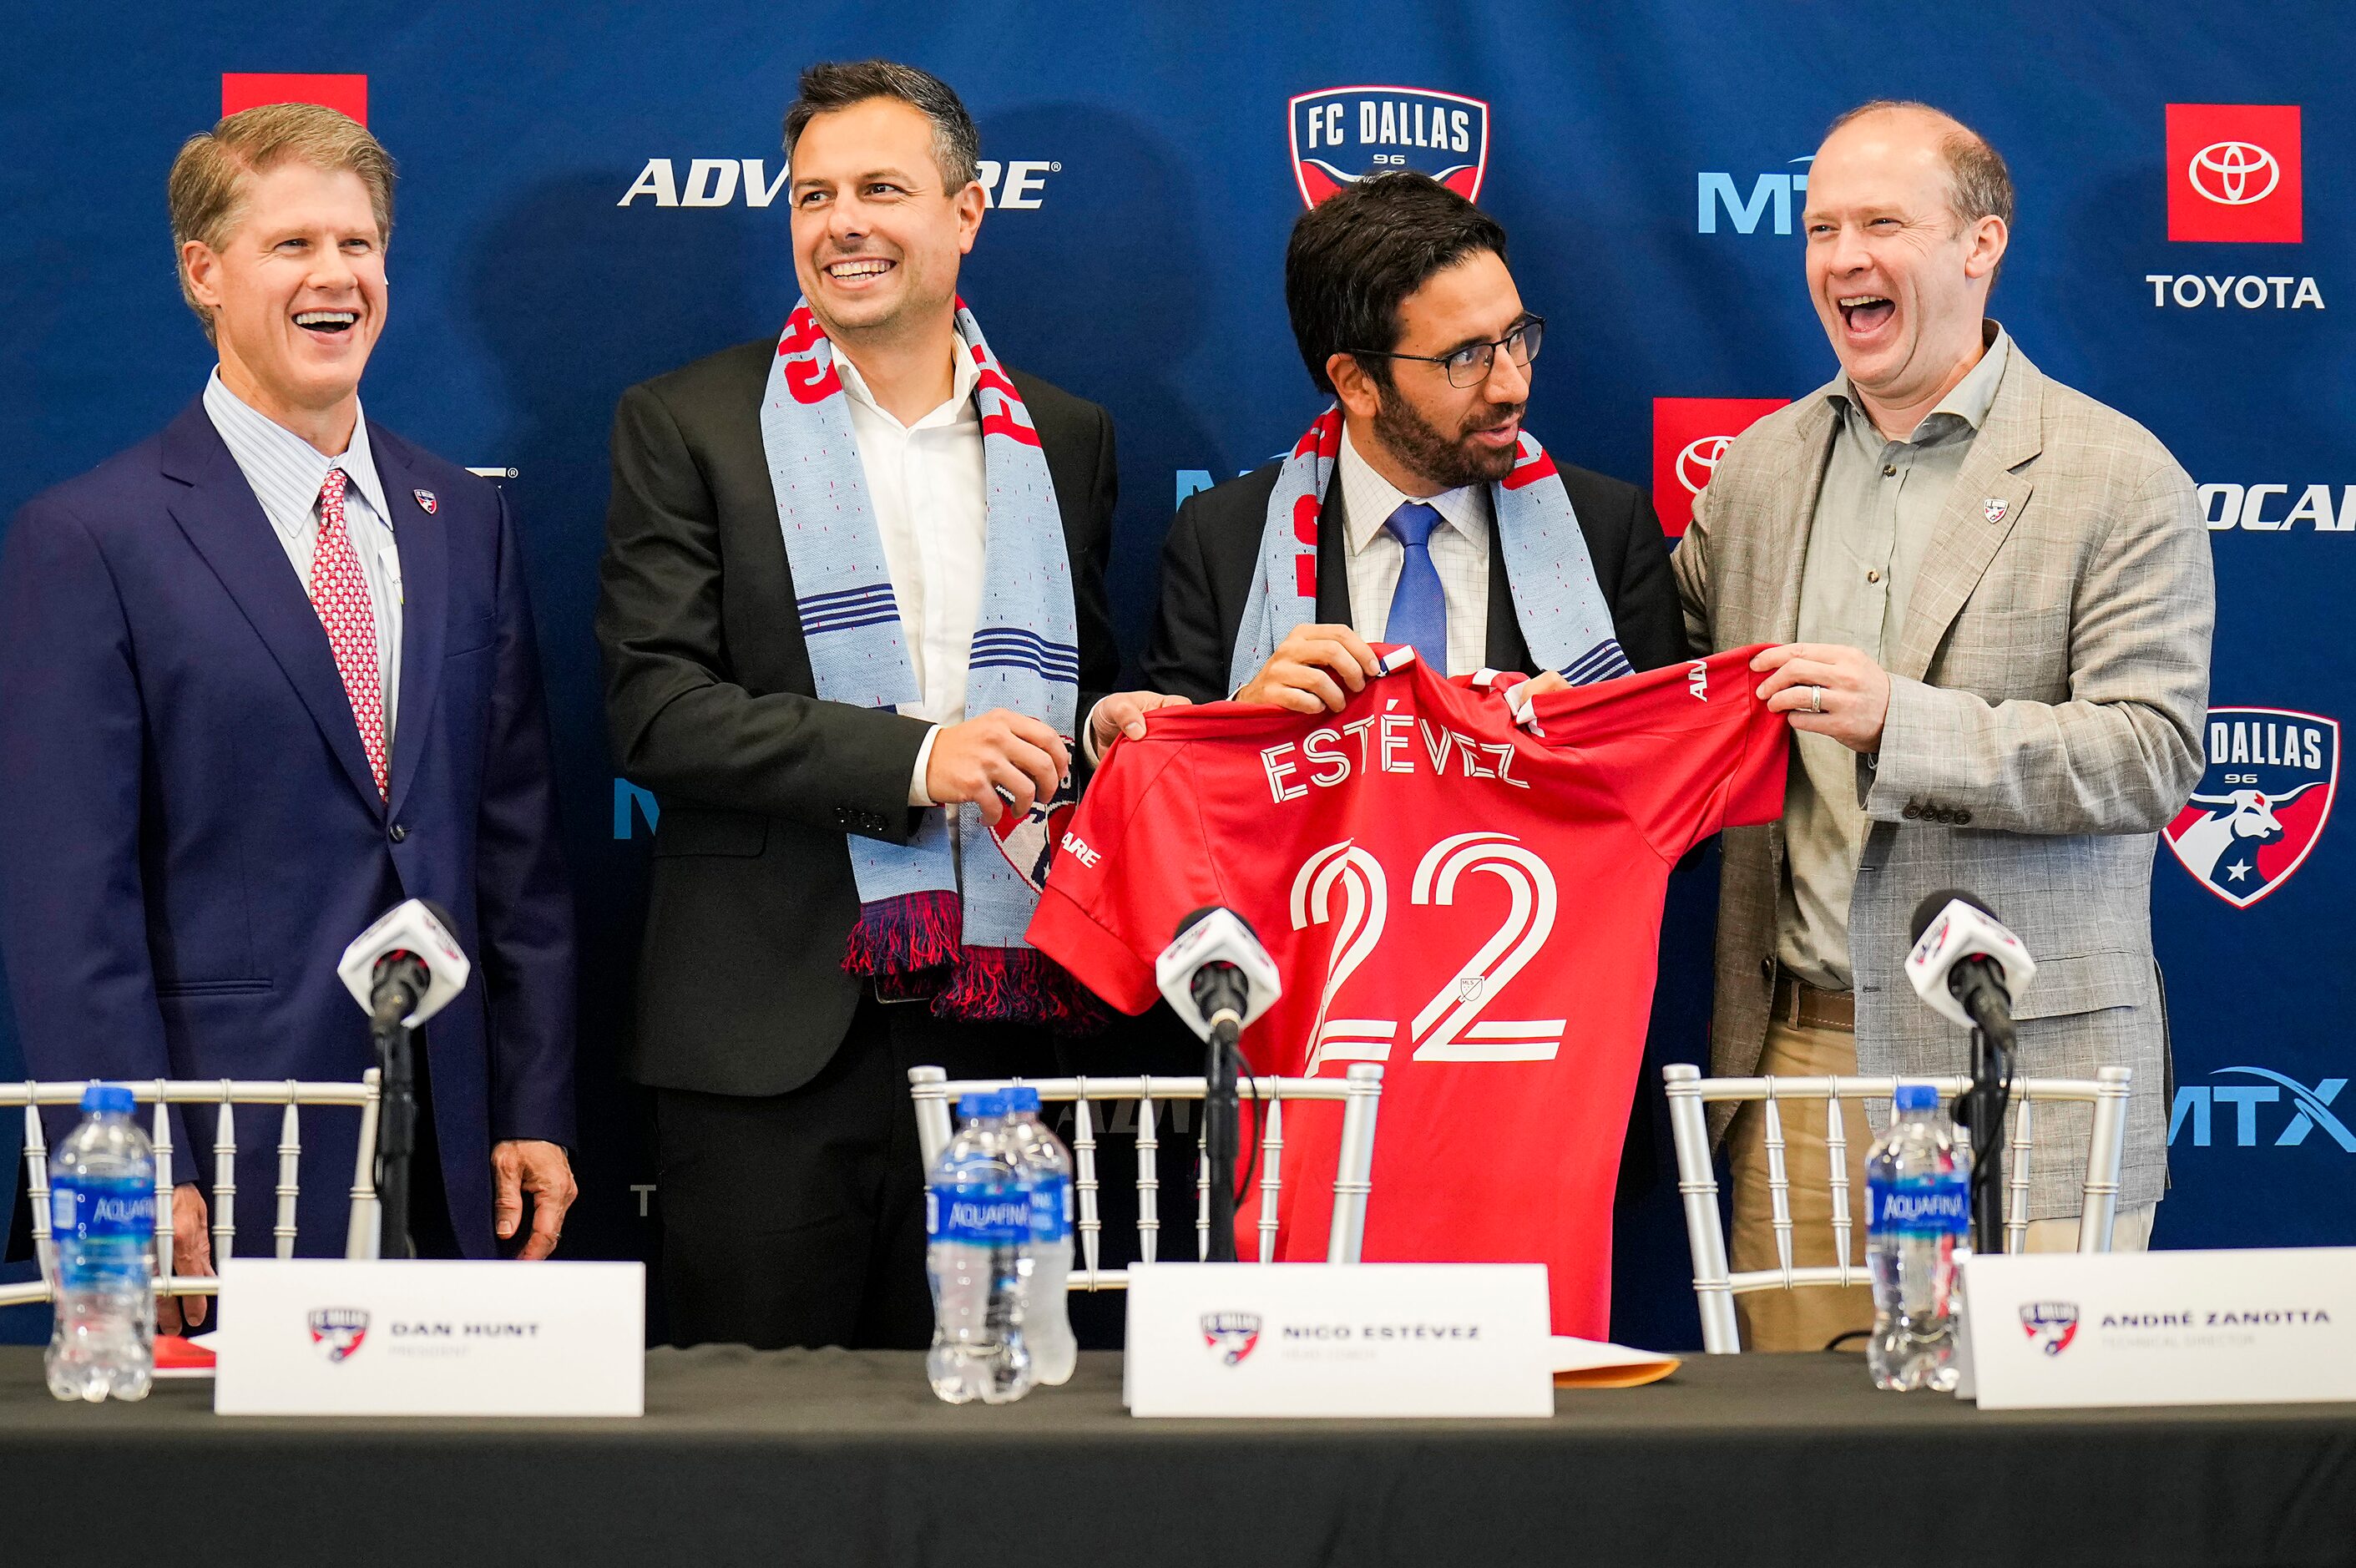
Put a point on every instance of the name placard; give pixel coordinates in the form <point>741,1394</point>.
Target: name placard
<point>332,1338</point>
<point>1329,1339</point>
<point>2260,1327</point>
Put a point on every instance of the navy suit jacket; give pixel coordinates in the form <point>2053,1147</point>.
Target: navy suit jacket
<point>189,832</point>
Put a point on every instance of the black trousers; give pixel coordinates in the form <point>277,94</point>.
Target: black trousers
<point>799,1218</point>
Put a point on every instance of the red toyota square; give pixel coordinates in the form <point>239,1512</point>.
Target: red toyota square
<point>2233,173</point>
<point>1689,435</point>
<point>251,88</point>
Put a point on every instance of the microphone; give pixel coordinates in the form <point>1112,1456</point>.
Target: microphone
<point>401,971</point>
<point>1965,963</point>
<point>1968,966</point>
<point>1218,978</point>
<point>1215,975</point>
<point>406,966</point>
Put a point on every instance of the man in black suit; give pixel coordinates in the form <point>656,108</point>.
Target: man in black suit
<point>788,1178</point>
<point>1403,311</point>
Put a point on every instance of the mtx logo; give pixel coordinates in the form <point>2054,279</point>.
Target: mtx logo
<point>1689,435</point>
<point>2196,1108</point>
<point>1018,186</point>
<point>1773,191</point>
<point>1233,1334</point>
<point>2261,806</point>
<point>2233,173</point>
<point>1342,134</point>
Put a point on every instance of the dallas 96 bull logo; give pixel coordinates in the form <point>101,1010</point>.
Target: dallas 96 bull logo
<point>2263,803</point>
<point>1028,839</point>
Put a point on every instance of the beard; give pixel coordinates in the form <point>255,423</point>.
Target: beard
<point>1448,460</point>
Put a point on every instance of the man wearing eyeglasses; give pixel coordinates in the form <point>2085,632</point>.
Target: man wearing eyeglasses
<point>1404,312</point>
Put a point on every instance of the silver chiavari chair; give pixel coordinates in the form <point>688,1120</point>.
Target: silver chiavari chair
<point>362,1231</point>
<point>1360,1091</point>
<point>1716,1286</point>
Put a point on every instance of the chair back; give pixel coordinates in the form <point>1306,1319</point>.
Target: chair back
<point>1716,1286</point>
<point>1359,1090</point>
<point>362,1232</point>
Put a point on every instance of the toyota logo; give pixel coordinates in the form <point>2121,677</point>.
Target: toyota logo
<point>2226,172</point>
<point>1695,463</point>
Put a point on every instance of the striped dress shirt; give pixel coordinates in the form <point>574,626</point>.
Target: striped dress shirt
<point>286,473</point>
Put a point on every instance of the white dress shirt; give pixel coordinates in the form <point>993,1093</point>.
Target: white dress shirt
<point>286,473</point>
<point>1460,553</point>
<point>928,492</point>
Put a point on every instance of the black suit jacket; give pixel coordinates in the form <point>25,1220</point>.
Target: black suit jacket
<point>710,704</point>
<point>1213,549</point>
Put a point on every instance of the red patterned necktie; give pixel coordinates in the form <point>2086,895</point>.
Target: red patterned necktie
<point>340,594</point>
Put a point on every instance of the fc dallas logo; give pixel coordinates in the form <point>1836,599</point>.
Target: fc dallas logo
<point>2262,805</point>
<point>1028,839</point>
<point>337,1331</point>
<point>1232,1336</point>
<point>1342,134</point>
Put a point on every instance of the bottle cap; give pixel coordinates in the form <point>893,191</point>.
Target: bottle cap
<point>1918,1097</point>
<point>1022,1098</point>
<point>971,1106</point>
<point>107,1099</point>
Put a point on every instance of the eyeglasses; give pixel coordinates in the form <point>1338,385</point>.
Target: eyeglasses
<point>1470,366</point>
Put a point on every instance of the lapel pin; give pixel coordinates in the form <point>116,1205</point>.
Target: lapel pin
<point>425,499</point>
<point>1994,507</point>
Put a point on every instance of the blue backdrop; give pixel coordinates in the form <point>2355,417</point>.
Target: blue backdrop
<point>586,201</point>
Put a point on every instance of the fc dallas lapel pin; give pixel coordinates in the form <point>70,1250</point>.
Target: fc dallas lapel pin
<point>426,500</point>
<point>1994,507</point>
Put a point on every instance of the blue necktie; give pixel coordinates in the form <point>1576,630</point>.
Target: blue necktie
<point>1418,610</point>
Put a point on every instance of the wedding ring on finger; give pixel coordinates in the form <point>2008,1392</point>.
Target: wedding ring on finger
<point>1815,699</point>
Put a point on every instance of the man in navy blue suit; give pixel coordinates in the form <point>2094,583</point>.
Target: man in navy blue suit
<point>263,676</point>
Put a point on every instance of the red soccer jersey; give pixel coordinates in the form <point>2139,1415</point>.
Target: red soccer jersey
<point>1475,907</point>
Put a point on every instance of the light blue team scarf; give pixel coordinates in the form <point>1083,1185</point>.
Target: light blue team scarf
<point>1562,612</point>
<point>914,933</point>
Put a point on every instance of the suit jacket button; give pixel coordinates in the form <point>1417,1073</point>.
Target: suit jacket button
<point>397,833</point>
<point>1962,819</point>
<point>1767,968</point>
<point>1913,812</point>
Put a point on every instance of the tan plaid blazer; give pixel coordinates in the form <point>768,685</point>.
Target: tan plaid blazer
<point>2047,697</point>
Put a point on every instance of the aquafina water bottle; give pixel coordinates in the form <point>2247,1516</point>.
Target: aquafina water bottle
<point>102,1222</point>
<point>1048,1261</point>
<point>1918,1219</point>
<point>978,1217</point>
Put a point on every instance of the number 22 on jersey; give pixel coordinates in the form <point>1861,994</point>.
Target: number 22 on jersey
<point>1346,887</point>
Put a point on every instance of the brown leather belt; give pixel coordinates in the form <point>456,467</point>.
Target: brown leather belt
<point>1806,1006</point>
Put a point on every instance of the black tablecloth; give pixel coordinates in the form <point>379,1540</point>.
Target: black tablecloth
<point>846,1458</point>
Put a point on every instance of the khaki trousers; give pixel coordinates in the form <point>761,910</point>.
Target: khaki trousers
<point>1812,1317</point>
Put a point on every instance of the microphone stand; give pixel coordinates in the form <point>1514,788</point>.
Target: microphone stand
<point>1986,1103</point>
<point>1221,1116</point>
<point>396,1122</point>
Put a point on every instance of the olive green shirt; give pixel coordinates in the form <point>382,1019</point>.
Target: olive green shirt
<point>1874,516</point>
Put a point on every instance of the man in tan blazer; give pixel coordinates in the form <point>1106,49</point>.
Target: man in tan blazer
<point>1993,600</point>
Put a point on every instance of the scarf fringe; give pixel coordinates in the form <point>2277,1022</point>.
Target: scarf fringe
<point>1019,985</point>
<point>912,947</point>
<point>896,936</point>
